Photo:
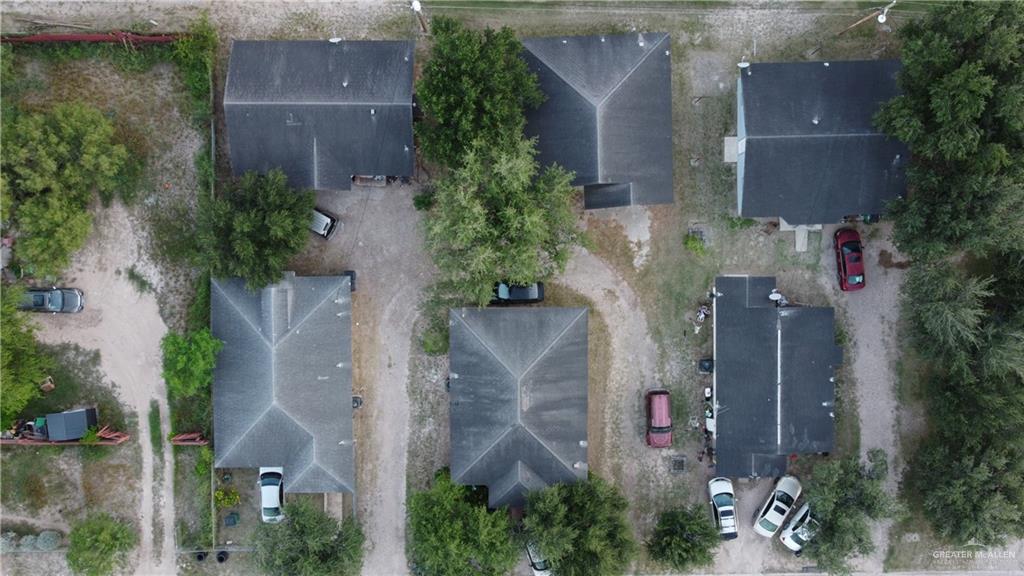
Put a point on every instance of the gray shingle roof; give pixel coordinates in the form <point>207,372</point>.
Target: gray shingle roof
<point>70,425</point>
<point>518,399</point>
<point>608,114</point>
<point>809,150</point>
<point>282,389</point>
<point>773,371</point>
<point>320,111</point>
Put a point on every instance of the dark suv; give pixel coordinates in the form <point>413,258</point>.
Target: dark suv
<point>505,293</point>
<point>53,300</point>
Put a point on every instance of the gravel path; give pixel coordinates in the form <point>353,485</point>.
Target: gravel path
<point>126,328</point>
<point>872,317</point>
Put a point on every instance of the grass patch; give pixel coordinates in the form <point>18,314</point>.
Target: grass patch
<point>156,437</point>
<point>138,280</point>
<point>192,468</point>
<point>32,478</point>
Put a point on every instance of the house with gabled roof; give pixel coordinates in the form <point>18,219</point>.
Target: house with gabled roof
<point>774,378</point>
<point>518,399</point>
<point>807,149</point>
<point>607,115</point>
<point>321,111</point>
<point>282,385</point>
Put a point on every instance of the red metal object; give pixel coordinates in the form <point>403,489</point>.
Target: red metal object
<point>189,439</point>
<point>107,437</point>
<point>114,37</point>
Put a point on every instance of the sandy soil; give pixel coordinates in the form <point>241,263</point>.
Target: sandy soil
<point>126,328</point>
<point>382,241</point>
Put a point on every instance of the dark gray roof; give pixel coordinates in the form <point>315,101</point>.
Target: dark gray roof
<point>773,378</point>
<point>608,114</point>
<point>320,111</point>
<point>282,387</point>
<point>810,151</point>
<point>518,399</point>
<point>70,425</point>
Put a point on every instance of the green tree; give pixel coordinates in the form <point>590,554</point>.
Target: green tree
<point>254,228</point>
<point>844,496</point>
<point>24,365</point>
<point>495,219</point>
<point>188,362</point>
<point>475,85</point>
<point>69,151</point>
<point>99,544</point>
<point>52,228</point>
<point>946,308</point>
<point>684,539</point>
<point>452,536</point>
<point>961,113</point>
<point>581,528</point>
<point>309,543</point>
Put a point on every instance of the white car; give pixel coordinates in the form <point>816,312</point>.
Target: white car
<point>538,563</point>
<point>779,503</point>
<point>271,495</point>
<point>800,530</point>
<point>723,506</point>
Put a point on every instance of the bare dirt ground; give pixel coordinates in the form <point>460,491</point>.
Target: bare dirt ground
<point>126,328</point>
<point>382,241</point>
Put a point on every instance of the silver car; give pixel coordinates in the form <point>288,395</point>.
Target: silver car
<point>271,495</point>
<point>538,564</point>
<point>777,507</point>
<point>800,530</point>
<point>53,300</point>
<point>723,506</point>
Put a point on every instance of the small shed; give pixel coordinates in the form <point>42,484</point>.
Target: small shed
<point>70,425</point>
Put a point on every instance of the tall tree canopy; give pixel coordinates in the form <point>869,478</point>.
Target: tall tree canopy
<point>309,543</point>
<point>581,528</point>
<point>452,536</point>
<point>254,228</point>
<point>188,362</point>
<point>685,538</point>
<point>844,497</point>
<point>962,115</point>
<point>53,164</point>
<point>475,85</point>
<point>24,365</point>
<point>494,218</point>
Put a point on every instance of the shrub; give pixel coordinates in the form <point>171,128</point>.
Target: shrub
<point>48,540</point>
<point>99,544</point>
<point>22,364</point>
<point>685,538</point>
<point>92,436</point>
<point>695,244</point>
<point>226,498</point>
<point>309,543</point>
<point>188,362</point>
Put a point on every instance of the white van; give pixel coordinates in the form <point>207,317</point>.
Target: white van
<point>323,224</point>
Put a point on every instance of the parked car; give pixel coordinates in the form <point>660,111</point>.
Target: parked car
<point>800,530</point>
<point>505,293</point>
<point>777,507</point>
<point>849,259</point>
<point>538,563</point>
<point>659,418</point>
<point>53,300</point>
<point>271,495</point>
<point>723,506</point>
<point>323,224</point>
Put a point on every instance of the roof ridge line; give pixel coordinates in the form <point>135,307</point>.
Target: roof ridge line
<point>488,449</point>
<point>258,332</point>
<point>256,421</point>
<point>627,75</point>
<point>308,315</point>
<point>489,349</point>
<point>551,345</point>
<point>562,78</point>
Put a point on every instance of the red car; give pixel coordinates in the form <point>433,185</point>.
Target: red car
<point>659,419</point>
<point>849,259</point>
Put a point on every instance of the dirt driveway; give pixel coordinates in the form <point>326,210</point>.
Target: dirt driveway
<point>125,326</point>
<point>381,240</point>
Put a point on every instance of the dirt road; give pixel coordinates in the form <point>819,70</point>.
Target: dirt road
<point>873,316</point>
<point>126,328</point>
